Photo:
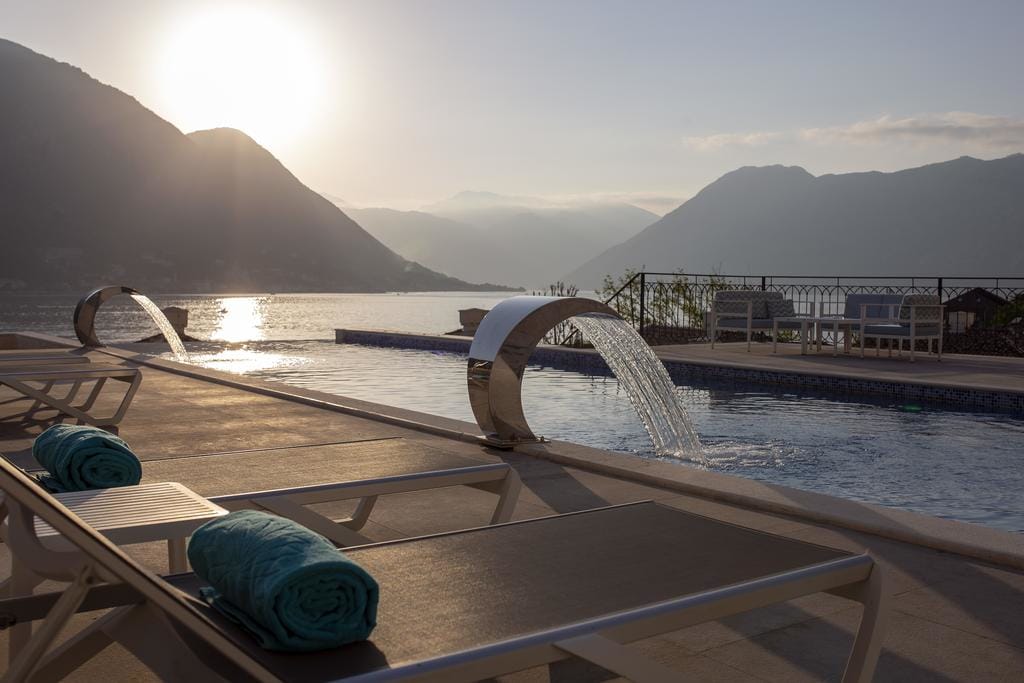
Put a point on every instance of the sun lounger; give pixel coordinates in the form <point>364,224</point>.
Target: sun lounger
<point>392,471</point>
<point>458,606</point>
<point>39,382</point>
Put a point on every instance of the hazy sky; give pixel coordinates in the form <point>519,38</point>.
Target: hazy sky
<point>403,103</point>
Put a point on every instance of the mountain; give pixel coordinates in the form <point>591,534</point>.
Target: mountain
<point>963,217</point>
<point>95,189</point>
<point>515,240</point>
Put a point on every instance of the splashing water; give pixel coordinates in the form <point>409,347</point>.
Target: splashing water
<point>173,340</point>
<point>646,382</point>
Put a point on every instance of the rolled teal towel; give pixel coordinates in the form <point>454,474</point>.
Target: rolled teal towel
<point>289,587</point>
<point>78,458</point>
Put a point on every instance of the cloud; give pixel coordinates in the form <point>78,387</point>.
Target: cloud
<point>955,127</point>
<point>708,143</point>
<point>949,128</point>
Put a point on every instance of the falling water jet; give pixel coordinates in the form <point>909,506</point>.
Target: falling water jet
<point>650,389</point>
<point>85,318</point>
<point>512,329</point>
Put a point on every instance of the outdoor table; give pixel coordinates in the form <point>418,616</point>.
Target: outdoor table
<point>806,324</point>
<point>837,322</point>
<point>126,515</point>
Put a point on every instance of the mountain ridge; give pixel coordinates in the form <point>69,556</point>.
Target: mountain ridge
<point>95,187</point>
<point>962,216</point>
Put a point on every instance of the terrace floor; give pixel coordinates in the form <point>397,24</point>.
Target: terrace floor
<point>994,373</point>
<point>954,618</point>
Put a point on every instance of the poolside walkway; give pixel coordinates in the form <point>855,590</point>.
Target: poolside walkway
<point>954,618</point>
<point>993,373</point>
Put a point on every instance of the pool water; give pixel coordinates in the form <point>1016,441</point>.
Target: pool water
<point>957,464</point>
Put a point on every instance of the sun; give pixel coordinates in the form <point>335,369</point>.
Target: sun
<point>241,67</point>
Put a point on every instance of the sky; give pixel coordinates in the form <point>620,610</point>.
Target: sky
<point>384,103</point>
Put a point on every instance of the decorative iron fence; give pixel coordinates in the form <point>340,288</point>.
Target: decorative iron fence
<point>983,315</point>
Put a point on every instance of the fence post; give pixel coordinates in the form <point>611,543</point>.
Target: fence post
<point>643,300</point>
<point>763,286</point>
<point>940,290</point>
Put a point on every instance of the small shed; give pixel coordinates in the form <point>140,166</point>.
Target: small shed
<point>976,306</point>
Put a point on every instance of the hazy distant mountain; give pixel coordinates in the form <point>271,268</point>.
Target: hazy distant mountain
<point>958,218</point>
<point>515,240</point>
<point>96,189</point>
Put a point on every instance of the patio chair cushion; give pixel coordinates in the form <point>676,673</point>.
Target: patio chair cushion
<point>734,301</point>
<point>741,324</point>
<point>898,330</point>
<point>780,308</point>
<point>929,310</point>
<point>854,302</point>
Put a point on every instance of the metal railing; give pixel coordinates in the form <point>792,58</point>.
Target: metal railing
<point>672,308</point>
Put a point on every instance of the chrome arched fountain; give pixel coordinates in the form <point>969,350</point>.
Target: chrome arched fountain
<point>85,317</point>
<point>501,347</point>
<point>510,332</point>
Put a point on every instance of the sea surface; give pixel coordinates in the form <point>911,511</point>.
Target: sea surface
<point>252,317</point>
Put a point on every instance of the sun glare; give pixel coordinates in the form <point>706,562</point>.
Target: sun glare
<point>242,67</point>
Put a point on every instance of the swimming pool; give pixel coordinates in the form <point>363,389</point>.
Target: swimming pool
<point>955,464</point>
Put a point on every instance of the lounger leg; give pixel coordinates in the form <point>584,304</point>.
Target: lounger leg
<point>126,401</point>
<point>27,656</point>
<point>315,522</point>
<point>361,515</point>
<point>74,652</point>
<point>94,394</point>
<point>508,495</point>
<point>22,582</point>
<point>56,404</point>
<point>37,404</point>
<point>177,556</point>
<point>868,641</point>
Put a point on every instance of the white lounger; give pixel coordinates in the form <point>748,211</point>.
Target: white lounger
<point>458,606</point>
<point>38,382</point>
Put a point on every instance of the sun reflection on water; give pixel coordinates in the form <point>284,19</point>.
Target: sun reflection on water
<point>241,319</point>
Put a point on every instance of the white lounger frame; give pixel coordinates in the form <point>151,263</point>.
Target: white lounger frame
<point>75,375</point>
<point>145,630</point>
<point>497,478</point>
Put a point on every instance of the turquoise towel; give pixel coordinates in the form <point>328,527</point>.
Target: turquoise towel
<point>80,458</point>
<point>291,588</point>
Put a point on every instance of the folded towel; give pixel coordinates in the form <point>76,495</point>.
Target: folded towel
<point>289,587</point>
<point>80,458</point>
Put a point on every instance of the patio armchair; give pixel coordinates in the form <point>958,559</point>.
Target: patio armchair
<point>456,606</point>
<point>747,310</point>
<point>920,318</point>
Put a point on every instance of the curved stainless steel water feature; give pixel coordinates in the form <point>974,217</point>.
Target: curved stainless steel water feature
<point>501,348</point>
<point>85,312</point>
<point>88,305</point>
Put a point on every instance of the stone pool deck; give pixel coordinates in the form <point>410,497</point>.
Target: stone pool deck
<point>976,382</point>
<point>955,617</point>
